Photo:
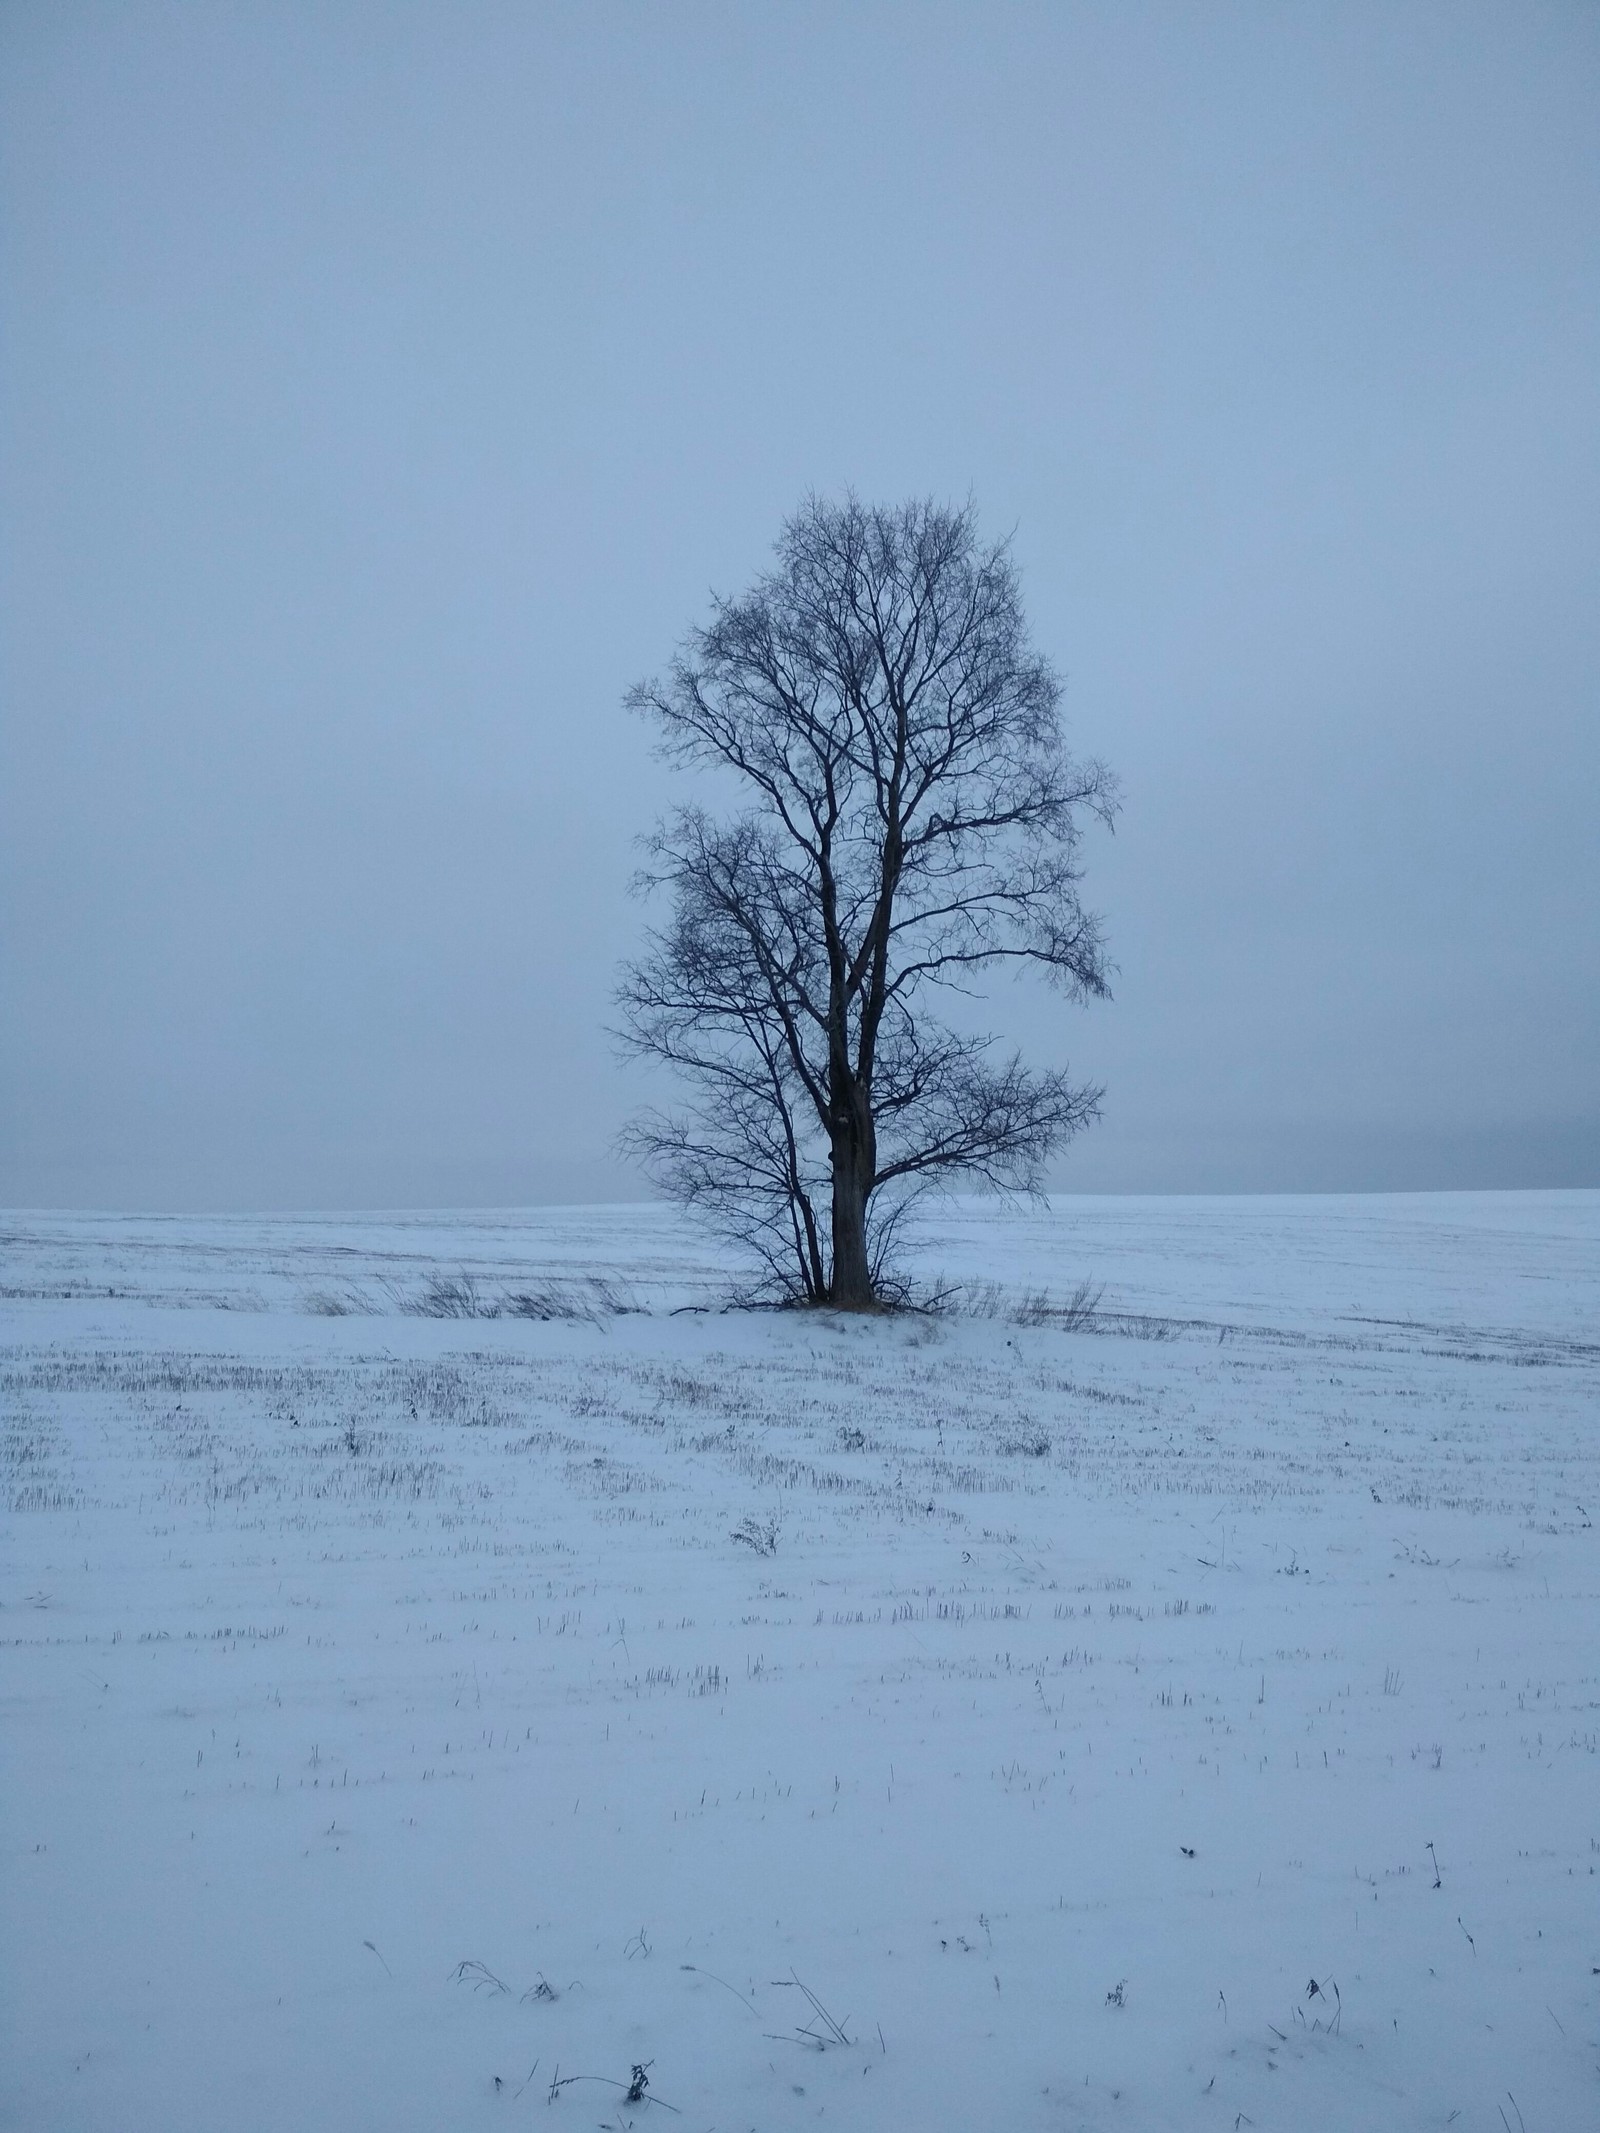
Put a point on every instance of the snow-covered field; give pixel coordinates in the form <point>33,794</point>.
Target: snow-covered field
<point>1187,1719</point>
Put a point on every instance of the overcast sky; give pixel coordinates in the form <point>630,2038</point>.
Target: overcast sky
<point>384,388</point>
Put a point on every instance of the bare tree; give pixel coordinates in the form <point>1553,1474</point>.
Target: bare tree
<point>911,821</point>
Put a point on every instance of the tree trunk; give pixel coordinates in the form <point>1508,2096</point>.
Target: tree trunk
<point>851,1288</point>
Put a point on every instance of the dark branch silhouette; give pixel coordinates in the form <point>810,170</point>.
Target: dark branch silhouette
<point>913,821</point>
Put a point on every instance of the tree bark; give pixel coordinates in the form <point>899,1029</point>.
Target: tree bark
<point>854,1165</point>
<point>852,1269</point>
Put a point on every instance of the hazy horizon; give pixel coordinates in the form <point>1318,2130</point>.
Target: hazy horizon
<point>387,389</point>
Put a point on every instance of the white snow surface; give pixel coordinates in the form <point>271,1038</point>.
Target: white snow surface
<point>1184,1719</point>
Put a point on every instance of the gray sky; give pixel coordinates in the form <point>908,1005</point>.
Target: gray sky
<point>383,388</point>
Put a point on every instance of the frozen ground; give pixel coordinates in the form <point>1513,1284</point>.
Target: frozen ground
<point>1102,1689</point>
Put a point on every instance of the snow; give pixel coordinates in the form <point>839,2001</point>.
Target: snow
<point>1104,1686</point>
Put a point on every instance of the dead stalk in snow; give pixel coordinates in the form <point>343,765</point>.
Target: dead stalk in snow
<point>822,2030</point>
